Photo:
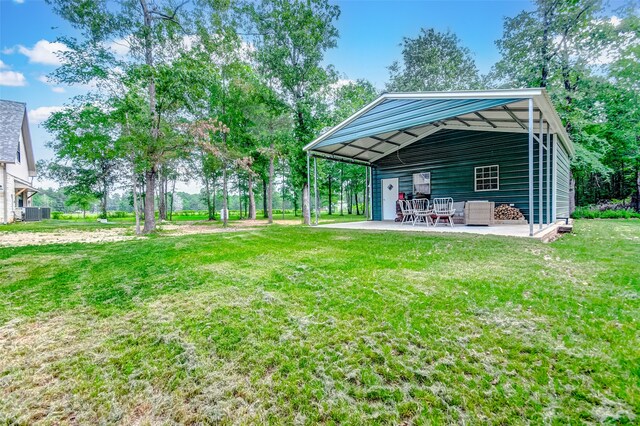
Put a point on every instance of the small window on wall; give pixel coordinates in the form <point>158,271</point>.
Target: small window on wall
<point>487,178</point>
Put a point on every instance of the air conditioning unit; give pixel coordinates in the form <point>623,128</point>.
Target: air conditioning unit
<point>422,183</point>
<point>32,214</point>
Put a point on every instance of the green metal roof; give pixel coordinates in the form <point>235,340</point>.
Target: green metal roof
<point>396,120</point>
<point>399,114</point>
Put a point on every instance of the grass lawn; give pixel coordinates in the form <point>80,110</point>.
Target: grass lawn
<point>287,324</point>
<point>91,223</point>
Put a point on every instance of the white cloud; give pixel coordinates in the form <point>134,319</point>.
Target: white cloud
<point>8,50</point>
<point>12,78</point>
<point>341,83</point>
<point>44,52</point>
<point>615,21</point>
<point>40,114</point>
<point>45,80</point>
<point>3,65</point>
<point>120,47</point>
<point>18,1</point>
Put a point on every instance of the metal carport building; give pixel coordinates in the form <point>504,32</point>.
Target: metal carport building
<point>515,137</point>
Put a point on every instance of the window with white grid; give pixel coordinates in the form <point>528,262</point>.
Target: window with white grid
<point>487,178</point>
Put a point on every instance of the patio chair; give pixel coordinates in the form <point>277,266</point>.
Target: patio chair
<point>443,208</point>
<point>407,211</point>
<point>422,210</point>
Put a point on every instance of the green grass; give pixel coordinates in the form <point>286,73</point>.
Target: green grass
<point>91,223</point>
<point>288,324</point>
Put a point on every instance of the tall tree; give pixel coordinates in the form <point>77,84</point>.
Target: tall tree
<point>151,30</point>
<point>87,156</point>
<point>580,54</point>
<point>293,37</point>
<point>347,99</point>
<point>434,61</point>
<point>535,43</point>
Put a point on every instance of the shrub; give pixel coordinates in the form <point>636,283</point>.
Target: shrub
<point>56,215</point>
<point>592,212</point>
<point>118,214</point>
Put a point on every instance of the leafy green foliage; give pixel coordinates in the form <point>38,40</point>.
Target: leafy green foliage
<point>588,63</point>
<point>294,35</point>
<point>87,160</point>
<point>589,212</point>
<point>434,61</point>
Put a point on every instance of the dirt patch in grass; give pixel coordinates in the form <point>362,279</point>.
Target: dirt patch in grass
<point>21,239</point>
<point>193,229</point>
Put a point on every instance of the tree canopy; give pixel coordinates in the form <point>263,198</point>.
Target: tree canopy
<point>434,61</point>
<point>228,93</point>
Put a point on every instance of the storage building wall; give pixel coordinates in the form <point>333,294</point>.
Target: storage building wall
<point>452,155</point>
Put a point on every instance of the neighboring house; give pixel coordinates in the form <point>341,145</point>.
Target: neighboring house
<point>505,146</point>
<point>17,164</point>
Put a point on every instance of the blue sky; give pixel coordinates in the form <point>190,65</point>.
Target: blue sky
<point>370,34</point>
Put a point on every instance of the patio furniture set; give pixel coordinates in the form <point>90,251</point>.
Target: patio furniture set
<point>427,212</point>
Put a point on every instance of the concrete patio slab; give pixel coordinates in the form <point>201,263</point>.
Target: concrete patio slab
<point>503,230</point>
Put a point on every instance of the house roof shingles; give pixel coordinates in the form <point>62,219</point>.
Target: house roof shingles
<point>11,117</point>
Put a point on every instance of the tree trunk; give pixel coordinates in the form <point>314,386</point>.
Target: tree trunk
<point>546,23</point>
<point>149,202</point>
<point>213,199</point>
<point>252,198</point>
<point>136,208</point>
<point>306,210</point>
<point>572,194</point>
<point>150,174</point>
<point>638,186</point>
<point>264,198</point>
<point>173,194</point>
<point>283,189</point>
<point>104,200</point>
<point>162,206</point>
<point>357,205</point>
<point>341,188</point>
<point>207,194</point>
<point>239,197</point>
<point>270,189</point>
<point>225,208</point>
<point>330,185</point>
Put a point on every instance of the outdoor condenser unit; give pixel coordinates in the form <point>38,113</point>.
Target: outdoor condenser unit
<point>45,212</point>
<point>32,214</point>
<point>422,183</point>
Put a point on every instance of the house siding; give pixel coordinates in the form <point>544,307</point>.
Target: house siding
<point>7,196</point>
<point>20,169</point>
<point>452,155</point>
<point>2,193</point>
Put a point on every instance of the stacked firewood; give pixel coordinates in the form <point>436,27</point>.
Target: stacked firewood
<point>506,212</point>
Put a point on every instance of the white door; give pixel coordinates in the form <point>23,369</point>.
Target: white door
<point>389,198</point>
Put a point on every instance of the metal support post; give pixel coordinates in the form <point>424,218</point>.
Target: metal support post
<point>531,212</point>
